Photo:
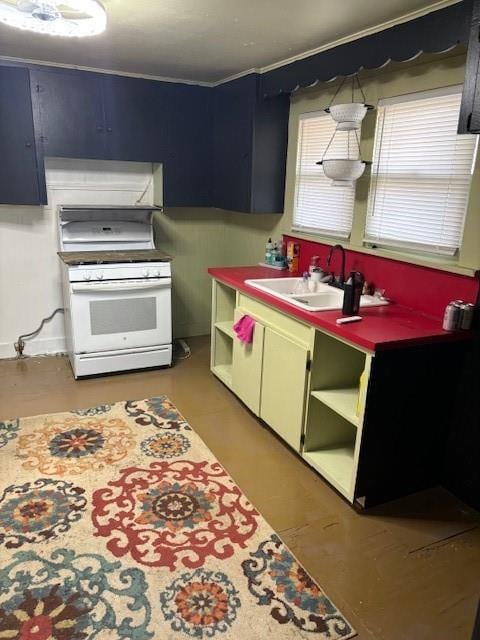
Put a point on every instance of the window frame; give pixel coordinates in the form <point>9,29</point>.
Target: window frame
<point>318,231</point>
<point>427,251</point>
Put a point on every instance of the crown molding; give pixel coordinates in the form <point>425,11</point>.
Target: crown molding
<point>111,72</point>
<point>440,4</point>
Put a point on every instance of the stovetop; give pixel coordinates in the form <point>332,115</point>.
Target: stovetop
<point>73,258</point>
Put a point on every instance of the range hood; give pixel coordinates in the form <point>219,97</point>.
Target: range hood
<point>78,213</point>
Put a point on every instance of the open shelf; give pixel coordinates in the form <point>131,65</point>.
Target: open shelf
<point>223,309</point>
<point>226,327</point>
<point>336,465</point>
<point>335,365</point>
<point>342,401</point>
<point>225,301</point>
<point>331,438</point>
<point>224,372</point>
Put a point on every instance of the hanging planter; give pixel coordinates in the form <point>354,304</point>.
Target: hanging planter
<point>349,116</point>
<point>345,171</point>
<point>342,171</point>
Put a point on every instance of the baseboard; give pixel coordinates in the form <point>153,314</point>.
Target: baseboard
<point>34,347</point>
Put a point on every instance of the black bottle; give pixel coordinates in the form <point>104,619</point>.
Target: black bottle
<point>352,290</point>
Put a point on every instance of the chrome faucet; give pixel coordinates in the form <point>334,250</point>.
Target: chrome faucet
<point>340,281</point>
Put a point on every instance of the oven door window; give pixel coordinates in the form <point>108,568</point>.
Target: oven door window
<point>115,316</point>
<point>123,316</point>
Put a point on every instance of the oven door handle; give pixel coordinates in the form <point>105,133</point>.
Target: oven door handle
<point>164,283</point>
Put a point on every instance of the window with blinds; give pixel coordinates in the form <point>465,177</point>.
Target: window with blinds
<point>319,206</point>
<point>421,173</point>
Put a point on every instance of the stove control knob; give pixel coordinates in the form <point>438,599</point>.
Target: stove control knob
<point>157,273</point>
<point>99,275</point>
<point>87,275</point>
<point>146,273</point>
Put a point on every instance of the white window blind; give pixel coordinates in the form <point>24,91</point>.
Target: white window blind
<point>319,206</point>
<point>421,173</point>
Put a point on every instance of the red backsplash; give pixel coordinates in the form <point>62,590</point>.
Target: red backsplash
<point>424,289</point>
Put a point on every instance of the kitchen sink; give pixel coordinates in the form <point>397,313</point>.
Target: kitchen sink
<point>326,298</point>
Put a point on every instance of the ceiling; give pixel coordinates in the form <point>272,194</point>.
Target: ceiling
<point>209,40</point>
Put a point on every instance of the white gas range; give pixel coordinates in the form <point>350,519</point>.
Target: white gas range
<point>117,290</point>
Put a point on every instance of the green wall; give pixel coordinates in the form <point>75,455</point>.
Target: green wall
<point>202,238</point>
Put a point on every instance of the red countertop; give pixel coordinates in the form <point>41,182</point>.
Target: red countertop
<point>381,328</point>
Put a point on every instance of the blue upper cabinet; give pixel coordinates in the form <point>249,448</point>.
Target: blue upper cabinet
<point>20,175</point>
<point>187,169</point>
<point>249,147</point>
<point>470,110</point>
<point>223,147</point>
<point>134,119</point>
<point>100,116</point>
<point>70,112</point>
<point>233,117</point>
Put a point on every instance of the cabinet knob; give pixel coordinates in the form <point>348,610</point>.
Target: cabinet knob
<point>99,128</point>
<point>28,145</point>
<point>109,129</point>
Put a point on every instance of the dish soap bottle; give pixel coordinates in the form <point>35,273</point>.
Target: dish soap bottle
<point>268,251</point>
<point>352,291</point>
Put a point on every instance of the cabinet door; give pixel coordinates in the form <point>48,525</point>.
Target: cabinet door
<point>71,113</point>
<point>234,106</point>
<point>19,177</point>
<point>134,119</point>
<point>283,386</point>
<point>187,168</point>
<point>247,367</point>
<point>469,121</point>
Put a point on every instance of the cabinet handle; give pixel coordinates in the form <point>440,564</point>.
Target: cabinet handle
<point>28,145</point>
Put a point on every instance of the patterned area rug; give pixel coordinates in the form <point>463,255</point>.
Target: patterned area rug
<point>118,522</point>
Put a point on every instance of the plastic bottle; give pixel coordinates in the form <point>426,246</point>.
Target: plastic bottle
<point>268,251</point>
<point>302,285</point>
<point>280,256</point>
<point>293,251</point>
<point>273,254</point>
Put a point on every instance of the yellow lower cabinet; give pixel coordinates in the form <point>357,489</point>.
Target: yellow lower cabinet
<point>247,367</point>
<point>283,386</point>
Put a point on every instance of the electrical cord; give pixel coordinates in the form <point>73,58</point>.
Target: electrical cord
<point>20,343</point>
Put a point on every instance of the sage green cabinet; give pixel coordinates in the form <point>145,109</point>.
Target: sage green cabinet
<point>284,380</point>
<point>370,423</point>
<point>270,375</point>
<point>247,364</point>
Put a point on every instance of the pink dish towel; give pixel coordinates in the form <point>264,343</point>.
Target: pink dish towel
<point>244,329</point>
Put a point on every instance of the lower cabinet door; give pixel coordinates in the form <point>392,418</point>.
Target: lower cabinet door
<point>247,367</point>
<point>283,386</point>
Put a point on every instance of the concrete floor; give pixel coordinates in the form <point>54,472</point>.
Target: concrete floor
<point>409,570</point>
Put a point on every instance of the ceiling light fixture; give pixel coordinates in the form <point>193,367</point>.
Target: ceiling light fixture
<point>71,18</point>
